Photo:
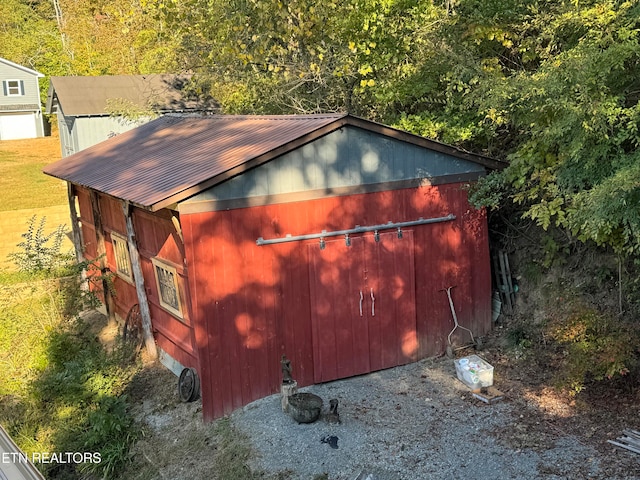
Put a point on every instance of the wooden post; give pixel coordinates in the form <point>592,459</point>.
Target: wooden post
<point>75,228</point>
<point>287,389</point>
<point>138,278</point>
<point>620,309</point>
<point>505,280</point>
<point>508,286</point>
<point>101,250</point>
<point>498,277</point>
<point>510,290</point>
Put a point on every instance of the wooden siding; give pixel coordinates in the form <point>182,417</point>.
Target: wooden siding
<point>156,237</point>
<point>349,157</point>
<point>87,227</point>
<point>367,283</point>
<point>251,304</point>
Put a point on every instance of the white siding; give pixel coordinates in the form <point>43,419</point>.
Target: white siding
<point>93,130</point>
<point>31,92</point>
<point>78,133</point>
<point>20,115</point>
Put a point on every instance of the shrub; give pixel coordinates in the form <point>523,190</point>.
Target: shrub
<point>82,389</point>
<point>109,431</point>
<point>595,346</point>
<point>40,252</point>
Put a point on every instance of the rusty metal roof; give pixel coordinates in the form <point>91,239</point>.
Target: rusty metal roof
<point>87,96</point>
<point>174,157</point>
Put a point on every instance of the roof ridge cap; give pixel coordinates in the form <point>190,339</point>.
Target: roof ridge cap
<point>292,116</point>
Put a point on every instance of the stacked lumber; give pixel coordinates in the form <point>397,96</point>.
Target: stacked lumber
<point>629,440</point>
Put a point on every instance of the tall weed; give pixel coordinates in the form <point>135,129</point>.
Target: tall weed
<point>40,251</point>
<point>65,391</point>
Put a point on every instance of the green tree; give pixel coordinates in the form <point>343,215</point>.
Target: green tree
<point>551,86</point>
<point>302,55</point>
<point>106,37</point>
<point>576,115</point>
<point>29,36</point>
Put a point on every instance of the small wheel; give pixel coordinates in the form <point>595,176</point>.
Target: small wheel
<point>132,331</point>
<point>188,385</point>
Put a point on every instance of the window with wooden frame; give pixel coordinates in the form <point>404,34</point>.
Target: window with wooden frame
<point>121,256</point>
<point>13,88</point>
<point>167,284</point>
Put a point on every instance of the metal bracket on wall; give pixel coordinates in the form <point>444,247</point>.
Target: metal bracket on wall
<point>358,229</point>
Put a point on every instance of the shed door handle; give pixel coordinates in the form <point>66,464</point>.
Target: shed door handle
<point>373,304</point>
<point>361,298</point>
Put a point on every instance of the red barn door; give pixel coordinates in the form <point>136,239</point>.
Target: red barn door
<point>363,305</point>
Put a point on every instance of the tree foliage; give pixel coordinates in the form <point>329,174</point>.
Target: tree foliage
<point>29,37</point>
<point>85,37</point>
<point>550,86</point>
<point>575,112</point>
<point>302,55</point>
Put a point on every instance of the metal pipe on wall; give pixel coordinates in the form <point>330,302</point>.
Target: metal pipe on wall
<point>357,229</point>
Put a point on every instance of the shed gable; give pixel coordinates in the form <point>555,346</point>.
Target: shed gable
<point>348,160</point>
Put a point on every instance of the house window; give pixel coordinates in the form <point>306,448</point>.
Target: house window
<point>13,88</point>
<point>167,283</point>
<point>122,258</point>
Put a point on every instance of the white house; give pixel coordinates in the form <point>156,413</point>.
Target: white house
<point>20,112</point>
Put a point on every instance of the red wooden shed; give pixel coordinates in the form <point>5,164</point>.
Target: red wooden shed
<point>326,238</point>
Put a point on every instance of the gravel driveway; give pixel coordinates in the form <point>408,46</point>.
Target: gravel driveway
<point>412,422</point>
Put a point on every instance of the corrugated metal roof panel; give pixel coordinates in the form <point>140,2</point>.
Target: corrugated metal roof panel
<point>175,157</point>
<point>157,163</point>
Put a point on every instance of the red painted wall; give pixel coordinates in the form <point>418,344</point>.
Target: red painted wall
<point>251,304</point>
<point>156,237</point>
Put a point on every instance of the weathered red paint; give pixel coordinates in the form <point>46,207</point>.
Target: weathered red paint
<point>251,304</point>
<point>156,237</point>
<point>362,305</point>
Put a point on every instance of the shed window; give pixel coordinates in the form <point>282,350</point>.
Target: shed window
<point>13,88</point>
<point>167,283</point>
<point>122,258</point>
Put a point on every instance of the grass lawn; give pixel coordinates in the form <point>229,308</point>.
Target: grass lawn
<point>61,390</point>
<point>21,177</point>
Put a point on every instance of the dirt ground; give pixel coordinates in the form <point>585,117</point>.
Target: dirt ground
<point>176,444</point>
<point>599,413</point>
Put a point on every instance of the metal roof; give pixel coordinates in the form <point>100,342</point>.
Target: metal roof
<point>88,96</point>
<point>174,157</point>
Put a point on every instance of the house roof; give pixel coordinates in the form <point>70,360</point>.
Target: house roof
<point>90,96</point>
<point>175,157</point>
<point>21,67</point>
